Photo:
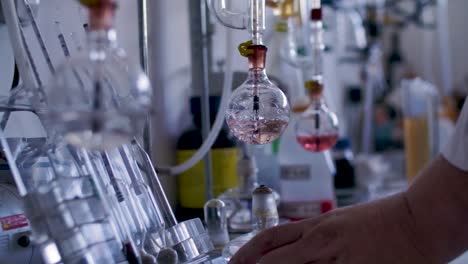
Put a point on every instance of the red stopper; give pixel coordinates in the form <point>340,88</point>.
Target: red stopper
<point>258,58</point>
<point>101,16</point>
<point>316,14</point>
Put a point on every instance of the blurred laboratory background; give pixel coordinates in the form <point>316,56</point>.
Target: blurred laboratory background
<point>165,149</point>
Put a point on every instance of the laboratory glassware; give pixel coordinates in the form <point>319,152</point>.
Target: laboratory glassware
<point>258,111</point>
<point>317,127</point>
<point>239,200</point>
<point>421,124</point>
<point>67,210</point>
<point>98,100</point>
<point>216,222</point>
<point>295,48</point>
<point>306,177</point>
<point>265,215</point>
<point>189,238</point>
<point>69,218</point>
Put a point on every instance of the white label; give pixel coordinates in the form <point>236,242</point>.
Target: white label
<point>301,210</point>
<point>295,172</point>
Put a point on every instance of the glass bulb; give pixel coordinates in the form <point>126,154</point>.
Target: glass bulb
<point>98,100</point>
<point>258,111</point>
<point>317,127</point>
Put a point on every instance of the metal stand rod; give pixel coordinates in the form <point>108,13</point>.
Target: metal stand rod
<point>143,25</point>
<point>200,76</point>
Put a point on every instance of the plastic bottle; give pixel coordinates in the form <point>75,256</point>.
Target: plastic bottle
<point>343,156</point>
<point>306,179</point>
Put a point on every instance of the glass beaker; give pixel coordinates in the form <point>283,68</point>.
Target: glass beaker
<point>420,117</point>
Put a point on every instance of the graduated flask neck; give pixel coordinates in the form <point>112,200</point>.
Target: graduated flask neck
<point>257,74</point>
<point>100,42</point>
<point>317,102</point>
<point>102,35</point>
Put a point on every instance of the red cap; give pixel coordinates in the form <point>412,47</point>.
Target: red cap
<point>101,17</point>
<point>316,14</point>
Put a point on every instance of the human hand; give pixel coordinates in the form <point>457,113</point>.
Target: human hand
<point>379,232</point>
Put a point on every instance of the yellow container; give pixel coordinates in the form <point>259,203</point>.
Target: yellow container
<point>191,184</point>
<point>417,145</point>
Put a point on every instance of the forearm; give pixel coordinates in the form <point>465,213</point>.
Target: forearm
<point>437,206</point>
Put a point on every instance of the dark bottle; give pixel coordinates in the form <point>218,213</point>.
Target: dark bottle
<point>191,184</point>
<point>395,63</point>
<point>343,156</point>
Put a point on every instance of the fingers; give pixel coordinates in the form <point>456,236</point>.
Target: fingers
<point>295,253</point>
<point>316,247</point>
<point>267,241</point>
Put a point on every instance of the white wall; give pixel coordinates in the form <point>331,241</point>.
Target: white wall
<point>421,48</point>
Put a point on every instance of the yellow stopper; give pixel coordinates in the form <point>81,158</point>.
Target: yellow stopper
<point>314,87</point>
<point>244,48</point>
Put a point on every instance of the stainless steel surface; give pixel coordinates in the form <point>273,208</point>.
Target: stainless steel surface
<point>200,76</point>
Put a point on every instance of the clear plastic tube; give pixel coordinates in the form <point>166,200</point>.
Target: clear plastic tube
<point>218,124</point>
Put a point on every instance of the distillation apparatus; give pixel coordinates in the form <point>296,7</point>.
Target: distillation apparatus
<point>90,199</point>
<point>258,112</point>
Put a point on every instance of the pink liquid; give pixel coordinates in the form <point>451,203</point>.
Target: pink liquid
<point>317,143</point>
<point>257,132</point>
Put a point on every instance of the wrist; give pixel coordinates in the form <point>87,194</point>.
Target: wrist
<point>438,206</point>
<point>399,229</point>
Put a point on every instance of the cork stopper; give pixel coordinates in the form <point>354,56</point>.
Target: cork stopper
<point>101,13</point>
<point>264,211</point>
<point>314,88</point>
<point>257,57</point>
<point>262,189</point>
